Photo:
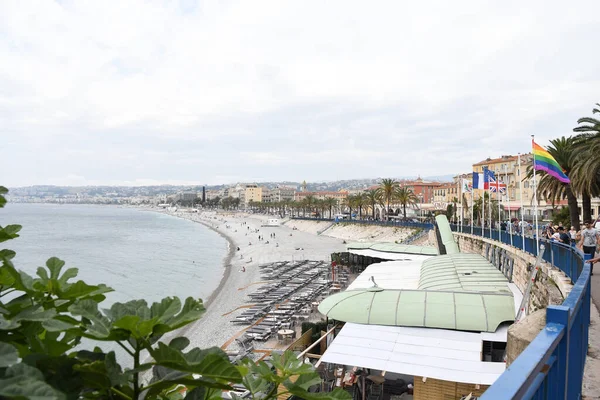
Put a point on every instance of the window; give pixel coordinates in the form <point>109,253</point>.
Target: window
<point>493,351</point>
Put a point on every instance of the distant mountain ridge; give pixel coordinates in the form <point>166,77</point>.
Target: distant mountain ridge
<point>130,191</point>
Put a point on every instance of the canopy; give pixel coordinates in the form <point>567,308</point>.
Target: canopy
<point>465,311</point>
<point>434,353</point>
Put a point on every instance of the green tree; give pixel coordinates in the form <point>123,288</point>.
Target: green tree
<point>387,190</point>
<point>330,202</point>
<point>551,189</point>
<point>562,217</point>
<point>405,197</point>
<point>586,164</point>
<point>372,199</point>
<point>360,201</point>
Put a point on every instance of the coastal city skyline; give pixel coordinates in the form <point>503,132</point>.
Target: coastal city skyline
<point>214,92</point>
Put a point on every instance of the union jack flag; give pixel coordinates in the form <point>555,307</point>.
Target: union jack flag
<point>496,185</point>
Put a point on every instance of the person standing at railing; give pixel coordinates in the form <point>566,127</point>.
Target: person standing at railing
<point>573,234</point>
<point>590,238</point>
<point>563,236</point>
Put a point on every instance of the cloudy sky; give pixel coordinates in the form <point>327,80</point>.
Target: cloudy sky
<point>145,92</point>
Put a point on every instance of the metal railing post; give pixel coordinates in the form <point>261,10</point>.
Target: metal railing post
<point>559,373</point>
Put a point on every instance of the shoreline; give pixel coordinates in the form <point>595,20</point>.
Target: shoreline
<point>231,245</point>
<point>226,262</point>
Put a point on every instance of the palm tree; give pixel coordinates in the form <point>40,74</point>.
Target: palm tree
<point>550,188</point>
<point>387,190</point>
<point>586,166</point>
<point>330,202</point>
<point>372,198</point>
<point>454,208</point>
<point>478,208</point>
<point>349,202</point>
<point>465,206</point>
<point>359,202</point>
<point>405,197</point>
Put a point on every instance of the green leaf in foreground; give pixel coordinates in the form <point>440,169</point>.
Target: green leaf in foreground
<point>8,355</point>
<point>99,327</point>
<point>9,232</point>
<point>210,363</point>
<point>23,381</point>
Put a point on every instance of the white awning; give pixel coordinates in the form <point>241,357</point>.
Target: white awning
<point>435,353</point>
<point>390,275</point>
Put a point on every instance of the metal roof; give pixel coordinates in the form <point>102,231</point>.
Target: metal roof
<point>464,311</point>
<point>393,248</point>
<point>390,275</point>
<point>462,272</point>
<point>435,353</point>
<point>446,235</point>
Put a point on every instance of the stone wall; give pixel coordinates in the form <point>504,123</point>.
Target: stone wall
<point>522,263</point>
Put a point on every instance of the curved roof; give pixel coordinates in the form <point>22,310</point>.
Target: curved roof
<point>465,311</point>
<point>462,272</point>
<point>446,235</point>
<point>393,248</point>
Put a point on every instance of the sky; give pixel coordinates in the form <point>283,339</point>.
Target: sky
<point>209,92</point>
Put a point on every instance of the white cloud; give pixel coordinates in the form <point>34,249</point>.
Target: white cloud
<point>201,91</point>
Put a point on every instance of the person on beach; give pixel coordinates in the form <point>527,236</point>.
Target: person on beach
<point>243,269</point>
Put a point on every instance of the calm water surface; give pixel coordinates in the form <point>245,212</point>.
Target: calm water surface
<point>140,254</point>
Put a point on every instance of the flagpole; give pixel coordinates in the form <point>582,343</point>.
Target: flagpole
<point>458,183</point>
<point>489,209</point>
<point>483,206</point>
<point>535,208</point>
<point>521,200</point>
<point>498,197</point>
<point>508,201</point>
<point>472,207</point>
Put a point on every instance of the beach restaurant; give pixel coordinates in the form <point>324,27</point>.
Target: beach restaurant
<point>420,327</point>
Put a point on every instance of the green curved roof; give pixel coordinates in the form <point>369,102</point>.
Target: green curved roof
<point>462,272</point>
<point>393,248</point>
<point>465,311</point>
<point>446,234</point>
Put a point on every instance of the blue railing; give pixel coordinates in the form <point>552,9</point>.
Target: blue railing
<point>551,367</point>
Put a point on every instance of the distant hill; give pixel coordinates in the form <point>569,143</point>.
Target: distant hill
<point>131,191</point>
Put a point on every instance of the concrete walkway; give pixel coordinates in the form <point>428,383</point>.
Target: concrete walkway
<point>591,379</point>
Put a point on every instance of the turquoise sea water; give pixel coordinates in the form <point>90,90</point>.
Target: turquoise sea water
<point>140,254</point>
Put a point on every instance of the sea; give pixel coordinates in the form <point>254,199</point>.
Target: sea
<point>140,254</point>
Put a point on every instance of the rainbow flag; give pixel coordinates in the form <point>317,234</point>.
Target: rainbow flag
<point>545,162</point>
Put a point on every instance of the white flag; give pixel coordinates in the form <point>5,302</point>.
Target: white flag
<point>467,186</point>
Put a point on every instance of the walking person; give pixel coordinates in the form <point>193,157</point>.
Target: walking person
<point>590,238</point>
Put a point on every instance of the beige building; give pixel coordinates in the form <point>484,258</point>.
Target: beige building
<point>251,192</point>
<point>279,194</point>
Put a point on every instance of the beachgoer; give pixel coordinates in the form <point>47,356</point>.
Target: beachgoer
<point>238,249</point>
<point>243,269</point>
<point>590,238</point>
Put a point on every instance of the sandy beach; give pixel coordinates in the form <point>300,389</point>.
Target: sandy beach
<point>294,240</point>
<point>242,230</point>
